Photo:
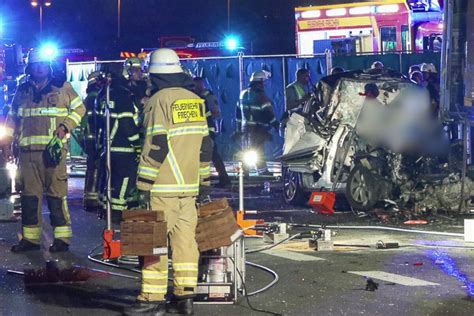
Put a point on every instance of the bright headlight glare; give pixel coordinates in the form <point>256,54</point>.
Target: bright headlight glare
<point>250,158</point>
<point>12,168</point>
<point>3,131</point>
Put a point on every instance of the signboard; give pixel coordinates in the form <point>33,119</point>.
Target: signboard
<point>316,24</point>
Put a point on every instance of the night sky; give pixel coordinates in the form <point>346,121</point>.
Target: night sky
<point>265,26</point>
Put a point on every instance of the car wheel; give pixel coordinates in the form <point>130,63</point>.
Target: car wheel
<point>292,189</point>
<point>361,190</point>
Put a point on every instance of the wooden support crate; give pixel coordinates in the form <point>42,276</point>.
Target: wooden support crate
<point>143,233</point>
<point>216,226</point>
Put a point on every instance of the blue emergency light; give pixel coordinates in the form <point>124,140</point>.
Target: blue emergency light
<point>232,43</point>
<point>49,50</point>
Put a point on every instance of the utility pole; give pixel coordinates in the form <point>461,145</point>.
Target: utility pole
<point>118,18</point>
<point>228,16</point>
<point>40,4</point>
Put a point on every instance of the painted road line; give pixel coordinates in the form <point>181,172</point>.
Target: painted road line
<point>291,255</point>
<point>393,278</point>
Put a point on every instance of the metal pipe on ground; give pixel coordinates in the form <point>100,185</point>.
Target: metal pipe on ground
<point>412,231</point>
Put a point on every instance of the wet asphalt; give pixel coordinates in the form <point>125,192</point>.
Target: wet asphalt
<point>321,284</point>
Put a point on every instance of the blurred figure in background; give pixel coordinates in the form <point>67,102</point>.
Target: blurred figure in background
<point>213,113</point>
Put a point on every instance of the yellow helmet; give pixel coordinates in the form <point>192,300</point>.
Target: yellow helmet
<point>132,62</point>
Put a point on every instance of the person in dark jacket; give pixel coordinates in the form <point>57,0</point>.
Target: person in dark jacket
<point>212,114</point>
<point>125,144</point>
<point>255,117</point>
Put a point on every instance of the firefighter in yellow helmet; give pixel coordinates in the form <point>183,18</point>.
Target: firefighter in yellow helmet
<point>176,155</point>
<point>44,110</point>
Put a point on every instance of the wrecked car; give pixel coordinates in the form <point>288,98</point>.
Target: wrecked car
<point>389,148</point>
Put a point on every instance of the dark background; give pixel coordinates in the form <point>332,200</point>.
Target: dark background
<point>264,26</point>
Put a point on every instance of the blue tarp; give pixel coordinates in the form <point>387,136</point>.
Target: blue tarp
<point>222,78</point>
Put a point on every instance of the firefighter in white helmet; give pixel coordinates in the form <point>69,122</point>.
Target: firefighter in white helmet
<point>44,110</point>
<point>431,82</point>
<point>255,117</point>
<point>176,155</point>
<point>377,65</point>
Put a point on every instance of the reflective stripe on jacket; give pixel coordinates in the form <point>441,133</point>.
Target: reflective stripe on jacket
<point>34,123</point>
<point>177,149</point>
<point>255,110</point>
<point>294,93</point>
<point>124,114</point>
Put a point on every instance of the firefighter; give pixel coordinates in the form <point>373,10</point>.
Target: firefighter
<point>176,155</point>
<point>431,82</point>
<point>125,141</point>
<point>377,65</point>
<point>95,82</point>
<point>255,117</point>
<point>133,71</point>
<point>337,70</point>
<point>297,92</point>
<point>43,111</point>
<point>213,113</point>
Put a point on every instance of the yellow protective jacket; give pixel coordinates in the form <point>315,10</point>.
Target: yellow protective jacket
<point>35,115</point>
<point>177,150</point>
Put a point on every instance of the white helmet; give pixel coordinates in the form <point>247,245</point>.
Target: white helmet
<point>377,65</point>
<point>164,61</point>
<point>428,68</point>
<point>259,76</point>
<point>36,56</point>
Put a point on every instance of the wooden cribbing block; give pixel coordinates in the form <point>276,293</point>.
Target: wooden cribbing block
<point>143,233</point>
<point>216,226</point>
<point>143,215</point>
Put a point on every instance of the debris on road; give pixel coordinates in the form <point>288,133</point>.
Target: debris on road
<point>371,285</point>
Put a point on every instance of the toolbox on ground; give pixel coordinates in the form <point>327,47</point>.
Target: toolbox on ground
<point>216,226</point>
<point>143,233</point>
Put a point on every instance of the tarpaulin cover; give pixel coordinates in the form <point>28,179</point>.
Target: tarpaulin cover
<point>222,78</point>
<point>316,65</point>
<point>77,76</point>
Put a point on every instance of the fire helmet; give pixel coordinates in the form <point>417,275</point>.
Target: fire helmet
<point>259,76</point>
<point>428,68</point>
<point>164,61</point>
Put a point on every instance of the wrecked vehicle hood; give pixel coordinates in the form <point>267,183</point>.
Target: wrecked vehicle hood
<point>339,100</point>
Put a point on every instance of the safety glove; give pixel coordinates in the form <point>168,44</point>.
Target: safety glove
<point>53,151</point>
<point>144,199</point>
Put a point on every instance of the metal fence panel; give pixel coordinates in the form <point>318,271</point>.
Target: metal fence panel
<point>365,61</point>
<point>222,77</point>
<point>416,59</point>
<point>316,65</point>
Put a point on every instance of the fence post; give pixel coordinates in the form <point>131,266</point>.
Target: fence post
<point>400,61</point>
<point>283,66</point>
<point>67,69</point>
<point>241,71</point>
<point>328,61</point>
